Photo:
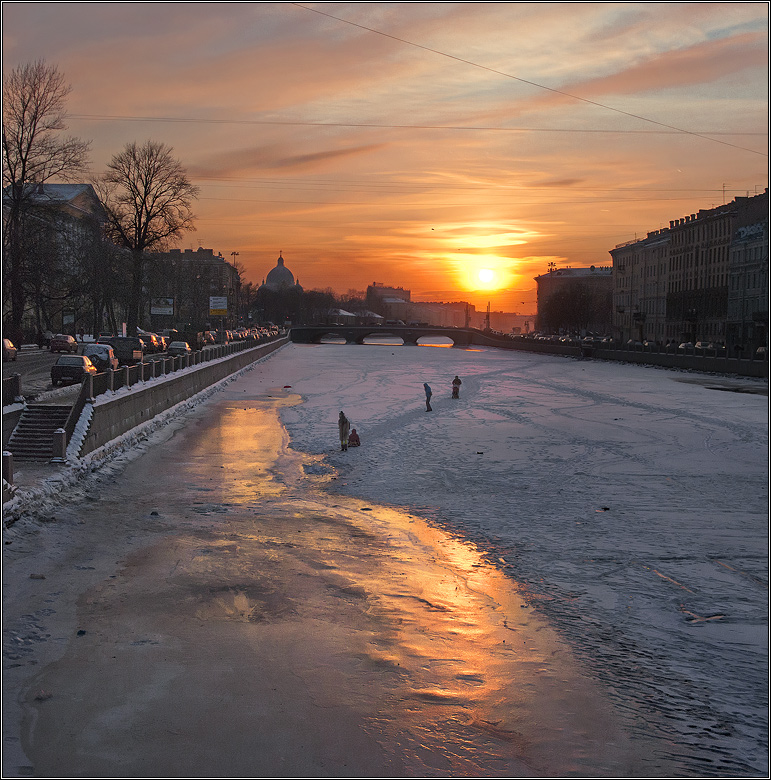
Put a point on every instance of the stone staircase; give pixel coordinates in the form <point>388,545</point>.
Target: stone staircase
<point>32,438</point>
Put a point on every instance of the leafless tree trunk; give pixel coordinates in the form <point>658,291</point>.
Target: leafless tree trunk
<point>34,106</point>
<point>148,199</point>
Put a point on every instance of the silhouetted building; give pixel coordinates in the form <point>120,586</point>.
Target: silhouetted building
<point>281,279</point>
<point>192,280</point>
<point>575,299</point>
<point>747,316</point>
<point>640,283</point>
<point>61,237</point>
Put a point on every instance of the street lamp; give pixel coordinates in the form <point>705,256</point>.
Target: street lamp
<point>234,255</point>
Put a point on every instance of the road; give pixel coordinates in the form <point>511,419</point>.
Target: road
<point>34,366</point>
<point>207,609</point>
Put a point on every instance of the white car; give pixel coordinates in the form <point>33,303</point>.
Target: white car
<point>101,355</point>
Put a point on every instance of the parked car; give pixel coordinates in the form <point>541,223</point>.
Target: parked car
<point>128,349</point>
<point>9,350</point>
<point>101,355</point>
<point>178,348</point>
<point>152,342</point>
<point>71,368</point>
<point>704,348</point>
<point>61,342</point>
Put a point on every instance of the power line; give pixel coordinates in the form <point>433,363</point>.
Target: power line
<point>525,81</point>
<point>337,184</point>
<point>379,126</point>
<point>506,203</point>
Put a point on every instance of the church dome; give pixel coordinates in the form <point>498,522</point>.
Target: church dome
<point>280,277</point>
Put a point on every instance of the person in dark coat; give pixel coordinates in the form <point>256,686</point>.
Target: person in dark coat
<point>344,427</point>
<point>429,393</point>
<point>456,383</point>
<point>353,439</point>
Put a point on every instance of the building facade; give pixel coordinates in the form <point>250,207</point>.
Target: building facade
<point>705,278</point>
<point>747,316</point>
<point>59,243</point>
<point>190,279</point>
<point>575,299</point>
<point>640,279</point>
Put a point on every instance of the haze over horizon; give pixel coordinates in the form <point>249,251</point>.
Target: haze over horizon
<point>455,149</point>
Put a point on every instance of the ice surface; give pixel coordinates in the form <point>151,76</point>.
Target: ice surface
<point>630,502</point>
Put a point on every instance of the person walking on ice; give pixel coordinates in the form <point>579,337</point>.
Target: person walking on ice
<point>427,388</point>
<point>456,383</point>
<point>344,427</point>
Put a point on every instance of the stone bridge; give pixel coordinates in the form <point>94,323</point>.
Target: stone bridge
<point>355,334</point>
<point>467,337</point>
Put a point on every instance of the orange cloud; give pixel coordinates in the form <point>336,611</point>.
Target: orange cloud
<point>699,64</point>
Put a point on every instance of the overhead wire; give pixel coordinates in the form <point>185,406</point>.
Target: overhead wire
<point>526,81</point>
<point>384,126</point>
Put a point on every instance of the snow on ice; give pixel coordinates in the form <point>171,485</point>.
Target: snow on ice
<point>629,502</point>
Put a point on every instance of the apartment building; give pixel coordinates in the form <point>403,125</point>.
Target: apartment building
<point>674,284</point>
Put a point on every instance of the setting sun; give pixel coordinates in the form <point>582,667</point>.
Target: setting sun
<point>486,275</point>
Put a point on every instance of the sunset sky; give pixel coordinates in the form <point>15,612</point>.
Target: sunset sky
<point>419,144</point>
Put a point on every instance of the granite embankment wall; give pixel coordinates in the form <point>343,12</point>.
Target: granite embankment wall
<point>10,419</point>
<point>112,417</point>
<point>642,355</point>
<point>703,363</point>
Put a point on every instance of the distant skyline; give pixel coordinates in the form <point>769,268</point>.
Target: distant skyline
<point>454,149</point>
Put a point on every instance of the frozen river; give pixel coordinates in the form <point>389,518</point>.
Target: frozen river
<point>623,507</point>
<point>630,503</point>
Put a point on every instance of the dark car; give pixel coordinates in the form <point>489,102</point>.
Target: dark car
<point>128,349</point>
<point>178,348</point>
<point>101,355</point>
<point>71,368</point>
<point>9,350</point>
<point>152,343</point>
<point>61,342</point>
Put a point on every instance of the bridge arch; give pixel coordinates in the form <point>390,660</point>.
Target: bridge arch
<point>356,334</point>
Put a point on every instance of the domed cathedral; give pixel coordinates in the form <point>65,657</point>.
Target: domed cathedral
<point>280,279</point>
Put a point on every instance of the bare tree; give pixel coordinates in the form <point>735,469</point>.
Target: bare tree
<point>148,199</point>
<point>34,110</point>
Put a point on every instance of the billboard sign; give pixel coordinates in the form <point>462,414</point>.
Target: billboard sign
<point>218,305</point>
<point>162,306</point>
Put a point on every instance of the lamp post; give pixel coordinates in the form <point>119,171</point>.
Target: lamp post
<point>234,255</point>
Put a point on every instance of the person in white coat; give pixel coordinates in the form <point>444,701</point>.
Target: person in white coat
<point>344,427</point>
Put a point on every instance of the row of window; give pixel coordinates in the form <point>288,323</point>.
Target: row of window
<point>756,280</point>
<point>709,229</point>
<point>697,283</point>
